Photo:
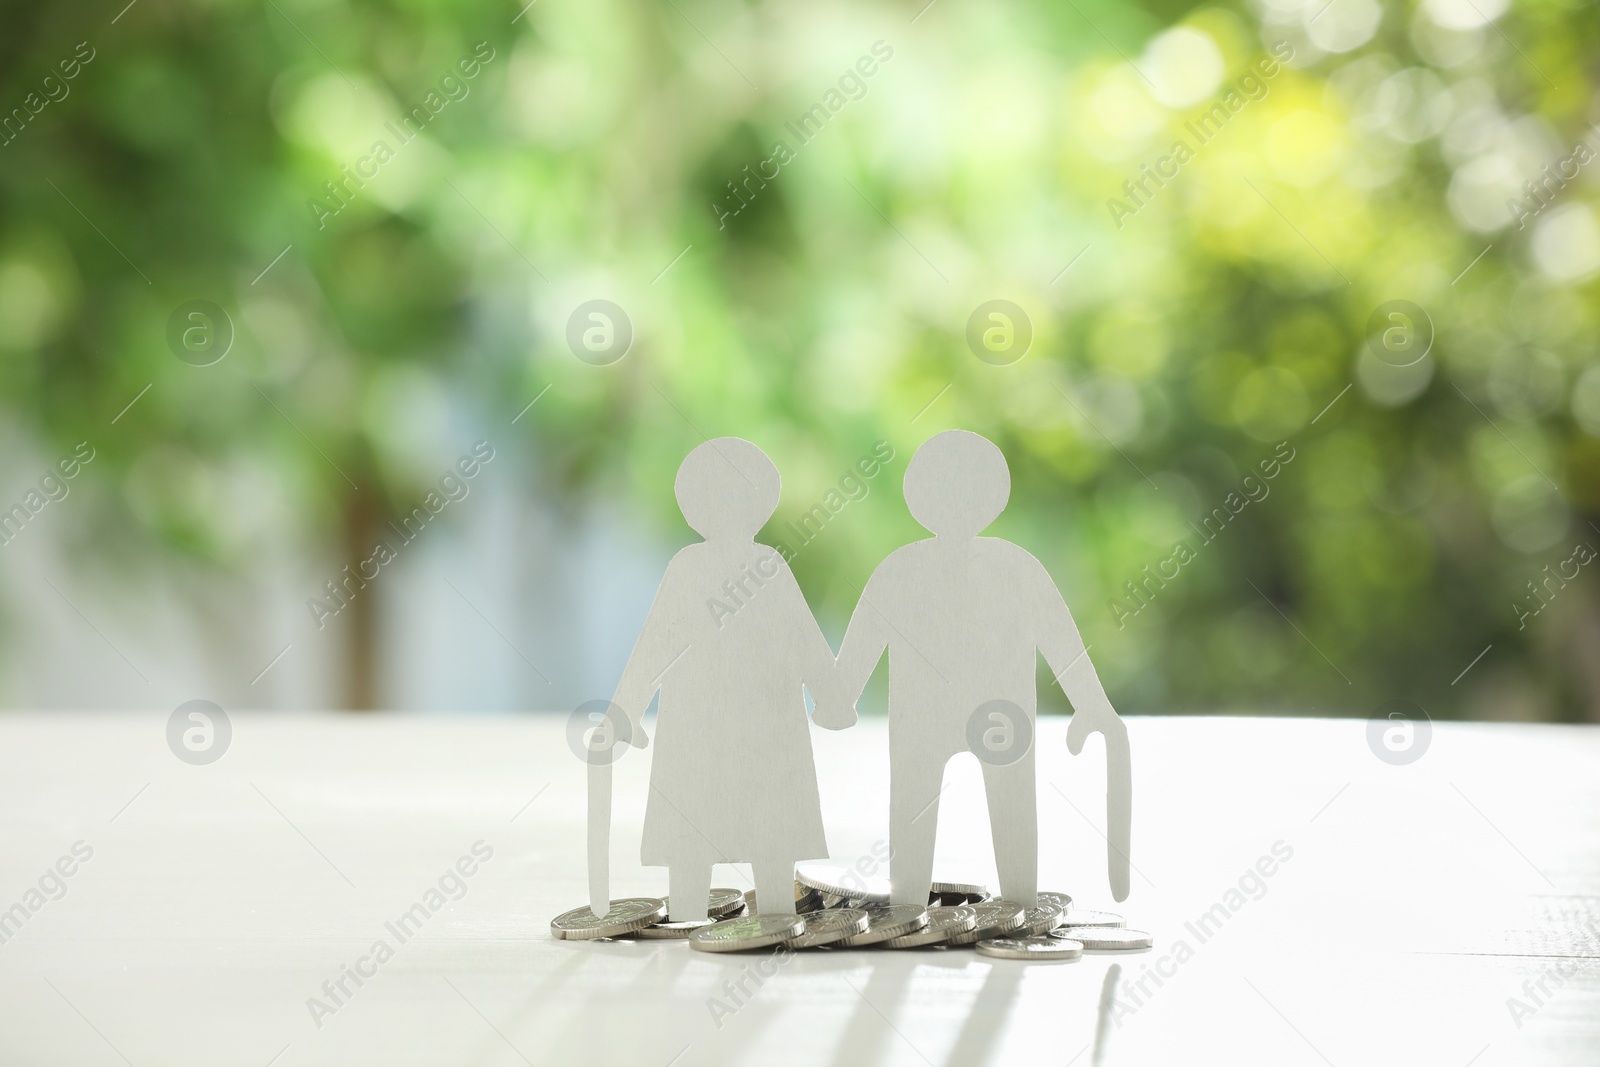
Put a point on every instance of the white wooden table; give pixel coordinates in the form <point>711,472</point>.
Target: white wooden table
<point>218,899</point>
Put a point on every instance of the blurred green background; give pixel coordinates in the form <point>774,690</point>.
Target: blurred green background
<point>1438,503</point>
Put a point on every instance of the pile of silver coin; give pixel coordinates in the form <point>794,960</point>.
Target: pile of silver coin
<point>837,908</point>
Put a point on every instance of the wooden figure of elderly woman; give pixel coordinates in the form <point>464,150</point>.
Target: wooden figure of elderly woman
<point>731,645</point>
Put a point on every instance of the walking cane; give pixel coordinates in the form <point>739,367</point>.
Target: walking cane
<point>1119,792</point>
<point>1119,809</point>
<point>600,825</point>
<point>600,753</point>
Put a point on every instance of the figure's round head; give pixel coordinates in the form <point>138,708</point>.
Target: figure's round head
<point>957,484</point>
<point>727,488</point>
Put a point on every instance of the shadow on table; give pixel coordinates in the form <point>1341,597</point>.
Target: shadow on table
<point>886,990</point>
<point>866,1038</point>
<point>871,1034</point>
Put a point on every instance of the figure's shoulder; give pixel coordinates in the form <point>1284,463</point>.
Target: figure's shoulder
<point>702,558</point>
<point>999,552</point>
<point>766,553</point>
<point>687,555</point>
<point>689,564</point>
<point>769,563</point>
<point>904,558</point>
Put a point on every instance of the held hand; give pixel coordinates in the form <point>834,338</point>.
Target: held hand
<point>832,708</point>
<point>620,727</point>
<point>834,715</point>
<point>633,733</point>
<point>1102,718</point>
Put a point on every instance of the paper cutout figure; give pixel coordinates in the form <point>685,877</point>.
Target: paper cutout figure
<point>963,618</point>
<point>729,643</point>
<point>600,750</point>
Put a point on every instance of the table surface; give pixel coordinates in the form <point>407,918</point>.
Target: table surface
<point>1444,912</point>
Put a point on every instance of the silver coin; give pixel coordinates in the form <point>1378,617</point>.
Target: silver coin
<point>665,931</point>
<point>724,902</point>
<point>805,899</point>
<point>1030,948</point>
<point>721,904</point>
<point>626,916</point>
<point>826,927</point>
<point>1104,938</point>
<point>996,918</point>
<point>942,922</point>
<point>1042,919</point>
<point>1060,900</point>
<point>746,932</point>
<point>825,878</point>
<point>888,922</point>
<point>1085,917</point>
<point>844,883</point>
<point>955,894</point>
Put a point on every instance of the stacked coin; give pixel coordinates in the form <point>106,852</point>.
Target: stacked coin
<point>1040,920</point>
<point>1030,948</point>
<point>889,922</point>
<point>723,904</point>
<point>955,894</point>
<point>942,922</point>
<point>841,886</point>
<point>625,916</point>
<point>1103,938</point>
<point>837,909</point>
<point>805,899</point>
<point>996,918</point>
<point>828,927</point>
<point>747,932</point>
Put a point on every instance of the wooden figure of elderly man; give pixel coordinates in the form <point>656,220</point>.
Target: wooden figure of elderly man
<point>963,618</point>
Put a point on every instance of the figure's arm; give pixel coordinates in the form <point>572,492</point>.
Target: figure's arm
<point>1068,658</point>
<point>864,642</point>
<point>819,669</point>
<point>652,654</point>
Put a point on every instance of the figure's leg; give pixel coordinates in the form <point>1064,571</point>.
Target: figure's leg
<point>774,887</point>
<point>688,890</point>
<point>913,821</point>
<point>1014,826</point>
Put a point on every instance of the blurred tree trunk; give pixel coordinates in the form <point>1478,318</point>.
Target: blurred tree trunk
<point>363,521</point>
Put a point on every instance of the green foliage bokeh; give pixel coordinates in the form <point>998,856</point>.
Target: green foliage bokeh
<point>1174,347</point>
